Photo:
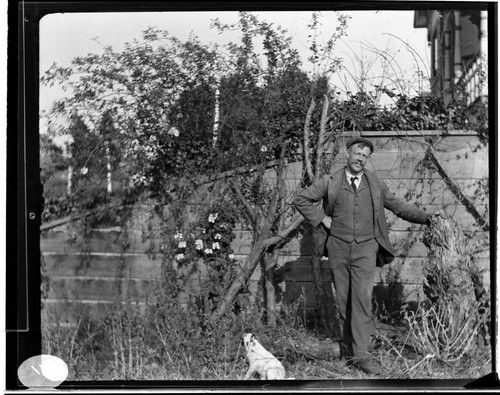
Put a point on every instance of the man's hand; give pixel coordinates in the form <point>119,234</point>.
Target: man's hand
<point>327,222</point>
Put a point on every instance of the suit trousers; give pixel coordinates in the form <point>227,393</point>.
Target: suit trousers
<point>353,267</point>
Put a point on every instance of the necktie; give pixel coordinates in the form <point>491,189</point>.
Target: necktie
<point>353,184</point>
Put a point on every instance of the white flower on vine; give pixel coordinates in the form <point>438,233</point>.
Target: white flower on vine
<point>199,244</point>
<point>84,170</point>
<point>263,149</point>
<point>212,217</point>
<point>179,257</point>
<point>218,236</point>
<point>208,251</point>
<point>173,131</point>
<point>178,235</point>
<point>137,180</point>
<point>182,244</point>
<point>216,246</point>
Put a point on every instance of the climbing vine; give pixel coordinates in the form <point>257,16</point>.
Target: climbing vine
<point>158,138</point>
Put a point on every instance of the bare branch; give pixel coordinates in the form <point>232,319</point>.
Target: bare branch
<point>248,207</point>
<point>457,191</point>
<point>322,133</point>
<point>414,53</point>
<point>249,265</point>
<point>280,183</point>
<point>283,237</point>
<point>307,132</point>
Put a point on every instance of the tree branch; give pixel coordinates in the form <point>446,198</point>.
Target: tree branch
<point>307,132</point>
<point>280,182</point>
<point>321,137</point>
<point>248,207</point>
<point>281,238</point>
<point>457,191</point>
<point>249,265</point>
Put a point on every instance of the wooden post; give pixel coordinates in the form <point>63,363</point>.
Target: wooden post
<point>483,88</point>
<point>270,261</point>
<point>326,304</point>
<point>458,46</point>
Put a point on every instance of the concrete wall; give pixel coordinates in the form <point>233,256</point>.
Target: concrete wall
<point>90,274</point>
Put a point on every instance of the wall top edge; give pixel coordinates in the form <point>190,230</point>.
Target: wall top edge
<point>413,133</point>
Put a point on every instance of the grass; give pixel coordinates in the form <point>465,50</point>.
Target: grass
<point>445,340</point>
<point>93,355</point>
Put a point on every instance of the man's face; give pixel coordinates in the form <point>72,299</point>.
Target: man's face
<point>357,158</point>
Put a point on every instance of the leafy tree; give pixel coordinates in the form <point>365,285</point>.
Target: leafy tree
<point>273,224</point>
<point>141,90</point>
<point>148,111</point>
<point>52,158</point>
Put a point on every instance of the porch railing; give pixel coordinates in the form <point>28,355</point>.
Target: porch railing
<point>475,82</point>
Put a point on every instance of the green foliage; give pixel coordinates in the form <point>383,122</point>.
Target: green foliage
<point>361,111</point>
<point>151,107</point>
<point>256,121</point>
<point>133,96</point>
<point>148,112</point>
<point>321,54</point>
<point>52,158</point>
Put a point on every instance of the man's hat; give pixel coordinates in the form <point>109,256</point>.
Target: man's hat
<point>355,140</point>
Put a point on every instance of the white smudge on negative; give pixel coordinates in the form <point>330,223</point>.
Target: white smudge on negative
<point>42,371</point>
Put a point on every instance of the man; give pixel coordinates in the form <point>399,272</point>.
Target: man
<point>357,240</point>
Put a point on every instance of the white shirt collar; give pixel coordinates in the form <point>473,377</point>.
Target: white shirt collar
<point>349,176</point>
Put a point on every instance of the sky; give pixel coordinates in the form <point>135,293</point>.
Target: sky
<point>66,36</point>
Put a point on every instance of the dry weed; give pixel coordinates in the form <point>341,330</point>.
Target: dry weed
<point>448,330</point>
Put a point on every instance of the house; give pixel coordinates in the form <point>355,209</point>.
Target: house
<point>459,52</point>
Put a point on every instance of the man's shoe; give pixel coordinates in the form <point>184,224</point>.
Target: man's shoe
<point>345,351</point>
<point>366,366</point>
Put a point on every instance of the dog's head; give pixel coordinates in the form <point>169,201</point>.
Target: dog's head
<point>248,340</point>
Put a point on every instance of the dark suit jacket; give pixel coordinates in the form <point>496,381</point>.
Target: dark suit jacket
<point>326,189</point>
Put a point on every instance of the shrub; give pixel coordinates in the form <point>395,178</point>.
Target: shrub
<point>448,328</point>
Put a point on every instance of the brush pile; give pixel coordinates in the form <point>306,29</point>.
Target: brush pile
<point>448,271</point>
<point>448,327</point>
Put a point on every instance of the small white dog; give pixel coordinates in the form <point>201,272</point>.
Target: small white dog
<point>261,360</point>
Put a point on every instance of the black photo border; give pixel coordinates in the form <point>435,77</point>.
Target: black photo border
<point>25,192</point>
